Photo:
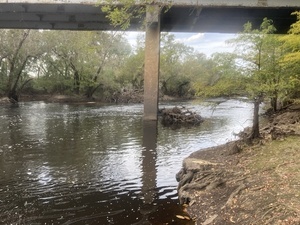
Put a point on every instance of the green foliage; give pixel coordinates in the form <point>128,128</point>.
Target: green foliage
<point>102,64</point>
<point>223,87</point>
<point>260,52</point>
<point>291,57</point>
<point>53,85</point>
<point>122,16</point>
<point>3,77</point>
<point>130,76</point>
<point>220,77</point>
<point>121,13</point>
<point>173,79</point>
<point>19,51</point>
<point>83,60</point>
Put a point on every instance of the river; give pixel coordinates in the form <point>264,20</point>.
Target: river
<point>101,164</point>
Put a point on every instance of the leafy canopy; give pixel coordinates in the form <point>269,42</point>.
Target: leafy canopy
<point>122,12</point>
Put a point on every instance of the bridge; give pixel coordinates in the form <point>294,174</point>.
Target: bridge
<point>183,16</point>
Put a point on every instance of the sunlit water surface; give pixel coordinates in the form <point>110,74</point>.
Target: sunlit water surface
<point>100,164</point>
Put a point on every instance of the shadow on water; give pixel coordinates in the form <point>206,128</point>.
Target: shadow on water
<point>73,164</point>
<point>155,210</point>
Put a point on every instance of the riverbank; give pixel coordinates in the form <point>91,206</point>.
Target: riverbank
<point>238,183</point>
<point>124,97</point>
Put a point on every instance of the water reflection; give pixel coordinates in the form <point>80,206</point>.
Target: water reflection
<point>72,164</point>
<point>149,157</point>
<point>154,209</point>
<point>149,171</point>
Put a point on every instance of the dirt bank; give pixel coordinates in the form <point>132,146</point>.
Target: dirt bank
<point>238,183</point>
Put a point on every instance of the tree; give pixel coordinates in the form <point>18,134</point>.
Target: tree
<point>130,76</point>
<point>19,49</point>
<point>219,76</point>
<point>111,49</point>
<point>291,57</point>
<point>173,79</point>
<point>257,51</point>
<point>291,42</point>
<point>85,58</point>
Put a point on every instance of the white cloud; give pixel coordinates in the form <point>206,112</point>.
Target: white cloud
<point>207,43</point>
<point>195,37</point>
<point>187,38</point>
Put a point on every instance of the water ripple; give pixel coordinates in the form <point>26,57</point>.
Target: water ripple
<point>73,164</point>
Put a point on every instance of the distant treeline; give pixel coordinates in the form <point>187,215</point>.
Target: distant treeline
<point>103,64</point>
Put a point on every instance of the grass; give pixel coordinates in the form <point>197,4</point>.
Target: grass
<point>278,162</point>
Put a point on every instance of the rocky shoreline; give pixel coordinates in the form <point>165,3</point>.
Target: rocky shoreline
<point>220,185</point>
<point>205,180</point>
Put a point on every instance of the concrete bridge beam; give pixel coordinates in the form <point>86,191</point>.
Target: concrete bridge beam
<point>152,58</point>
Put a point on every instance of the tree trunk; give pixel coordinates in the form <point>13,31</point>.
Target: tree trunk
<point>274,102</point>
<point>181,92</point>
<point>91,91</point>
<point>11,87</point>
<point>76,82</point>
<point>13,96</point>
<point>12,92</point>
<point>255,127</point>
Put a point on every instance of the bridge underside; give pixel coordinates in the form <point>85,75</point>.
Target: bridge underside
<point>177,19</point>
<point>224,20</point>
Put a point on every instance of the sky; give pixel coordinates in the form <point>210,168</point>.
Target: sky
<point>207,43</point>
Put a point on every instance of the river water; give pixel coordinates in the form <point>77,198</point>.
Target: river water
<point>101,164</point>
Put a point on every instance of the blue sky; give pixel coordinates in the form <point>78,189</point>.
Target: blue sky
<point>207,43</point>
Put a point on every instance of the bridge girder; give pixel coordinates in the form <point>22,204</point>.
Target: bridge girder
<point>184,16</point>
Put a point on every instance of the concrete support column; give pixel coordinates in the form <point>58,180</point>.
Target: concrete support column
<point>152,55</point>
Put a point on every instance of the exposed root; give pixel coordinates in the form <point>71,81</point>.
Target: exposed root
<point>233,194</point>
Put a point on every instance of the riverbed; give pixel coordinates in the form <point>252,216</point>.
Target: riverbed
<point>101,164</point>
